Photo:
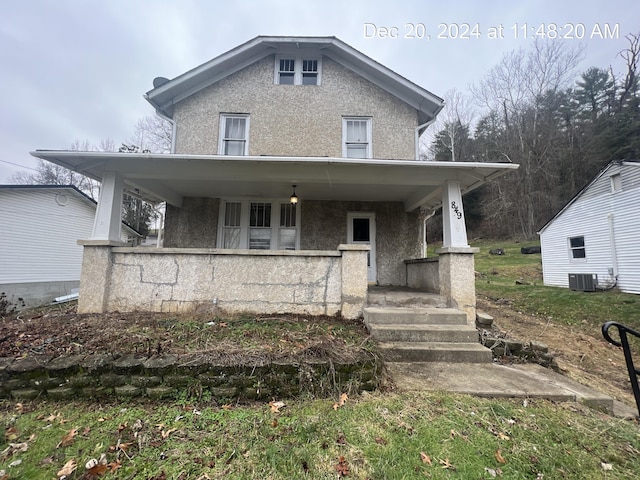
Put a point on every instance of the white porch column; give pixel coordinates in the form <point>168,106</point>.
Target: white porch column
<point>454,232</point>
<point>108,219</point>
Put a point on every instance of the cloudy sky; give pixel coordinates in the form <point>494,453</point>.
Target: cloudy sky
<point>77,69</point>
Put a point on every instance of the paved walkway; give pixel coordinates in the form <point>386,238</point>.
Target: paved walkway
<point>512,381</point>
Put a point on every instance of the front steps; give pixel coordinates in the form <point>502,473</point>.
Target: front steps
<point>410,331</point>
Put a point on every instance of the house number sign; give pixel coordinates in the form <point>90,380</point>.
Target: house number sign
<point>456,210</point>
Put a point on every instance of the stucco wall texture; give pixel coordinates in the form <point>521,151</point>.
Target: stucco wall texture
<point>296,120</point>
<point>323,226</point>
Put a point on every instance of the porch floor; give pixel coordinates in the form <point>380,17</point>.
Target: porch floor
<point>394,296</point>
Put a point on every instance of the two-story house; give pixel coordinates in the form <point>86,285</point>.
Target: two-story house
<point>293,184</point>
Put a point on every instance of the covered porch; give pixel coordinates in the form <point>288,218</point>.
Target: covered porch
<point>327,280</point>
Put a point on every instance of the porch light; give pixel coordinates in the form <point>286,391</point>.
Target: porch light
<point>294,198</point>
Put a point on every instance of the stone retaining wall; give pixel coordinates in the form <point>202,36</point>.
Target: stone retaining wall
<point>158,377</point>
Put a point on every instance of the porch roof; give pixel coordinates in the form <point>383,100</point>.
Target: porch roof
<point>171,177</point>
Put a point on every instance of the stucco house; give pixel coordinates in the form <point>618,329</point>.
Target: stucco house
<point>592,242</point>
<point>39,255</point>
<point>293,185</point>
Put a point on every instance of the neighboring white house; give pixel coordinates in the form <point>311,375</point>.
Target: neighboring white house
<point>592,243</point>
<point>40,258</point>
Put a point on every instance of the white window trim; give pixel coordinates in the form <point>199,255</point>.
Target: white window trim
<point>222,121</point>
<point>245,207</point>
<point>297,70</point>
<point>369,121</point>
<point>571,249</point>
<point>616,183</point>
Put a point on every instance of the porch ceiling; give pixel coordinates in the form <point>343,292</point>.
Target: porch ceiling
<point>171,177</point>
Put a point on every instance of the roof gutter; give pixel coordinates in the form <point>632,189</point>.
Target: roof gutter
<point>418,131</point>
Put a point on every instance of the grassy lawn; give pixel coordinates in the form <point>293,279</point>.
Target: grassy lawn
<point>497,280</point>
<point>385,435</point>
<point>378,436</point>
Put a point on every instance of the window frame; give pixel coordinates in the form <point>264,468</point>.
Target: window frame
<point>298,73</point>
<point>616,182</point>
<point>368,144</point>
<point>245,222</point>
<point>573,249</point>
<point>222,139</point>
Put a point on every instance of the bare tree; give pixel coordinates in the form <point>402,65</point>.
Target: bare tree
<point>525,92</point>
<point>453,126</point>
<point>153,134</point>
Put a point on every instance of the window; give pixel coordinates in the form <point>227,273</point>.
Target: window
<point>356,135</point>
<point>616,182</point>
<point>576,246</point>
<point>234,134</point>
<point>259,225</point>
<point>287,233</point>
<point>231,229</point>
<point>297,71</point>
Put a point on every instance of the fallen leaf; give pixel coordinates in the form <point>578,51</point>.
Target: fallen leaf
<point>98,469</point>
<point>15,463</point>
<point>341,402</point>
<point>227,406</point>
<point>342,467</point>
<point>494,472</point>
<point>68,469</point>
<point>446,464</point>
<point>274,423</point>
<point>381,441</point>
<point>68,438</point>
<point>276,406</point>
<point>165,434</point>
<point>425,458</point>
<point>113,466</point>
<point>606,466</point>
<point>122,426</point>
<point>11,433</point>
<point>19,408</point>
<point>499,456</point>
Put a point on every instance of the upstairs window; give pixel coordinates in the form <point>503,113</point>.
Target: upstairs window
<point>576,246</point>
<point>234,134</point>
<point>297,71</point>
<point>616,182</point>
<point>356,137</point>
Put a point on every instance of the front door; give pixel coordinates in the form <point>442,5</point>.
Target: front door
<point>361,229</point>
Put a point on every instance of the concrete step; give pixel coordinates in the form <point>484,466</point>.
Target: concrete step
<point>424,333</point>
<point>435,352</point>
<point>414,316</point>
<point>402,297</point>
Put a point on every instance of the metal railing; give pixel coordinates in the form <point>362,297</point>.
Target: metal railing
<point>624,343</point>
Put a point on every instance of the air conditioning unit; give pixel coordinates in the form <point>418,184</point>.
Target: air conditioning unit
<point>583,282</point>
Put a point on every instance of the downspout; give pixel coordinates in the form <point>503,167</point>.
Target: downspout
<point>612,243</point>
<point>418,132</point>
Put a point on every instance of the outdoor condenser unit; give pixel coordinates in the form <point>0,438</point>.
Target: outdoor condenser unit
<point>583,282</point>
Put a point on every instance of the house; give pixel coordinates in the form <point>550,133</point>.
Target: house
<point>592,242</point>
<point>39,255</point>
<point>293,184</point>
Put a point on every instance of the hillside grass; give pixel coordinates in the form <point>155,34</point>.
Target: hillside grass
<point>496,279</point>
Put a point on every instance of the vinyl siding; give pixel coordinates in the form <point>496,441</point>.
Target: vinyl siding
<point>598,214</point>
<point>39,236</point>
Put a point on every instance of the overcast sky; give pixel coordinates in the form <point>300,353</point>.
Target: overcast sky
<point>77,70</point>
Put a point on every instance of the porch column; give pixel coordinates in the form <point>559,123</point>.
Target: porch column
<point>454,232</point>
<point>354,279</point>
<point>456,262</point>
<point>108,219</point>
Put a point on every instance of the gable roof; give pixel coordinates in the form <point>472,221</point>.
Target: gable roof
<point>603,171</point>
<point>69,189</point>
<point>169,92</point>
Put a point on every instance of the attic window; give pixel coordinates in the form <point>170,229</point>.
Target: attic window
<point>297,71</point>
<point>616,182</point>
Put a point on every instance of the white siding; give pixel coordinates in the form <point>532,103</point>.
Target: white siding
<point>598,214</point>
<point>38,239</point>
